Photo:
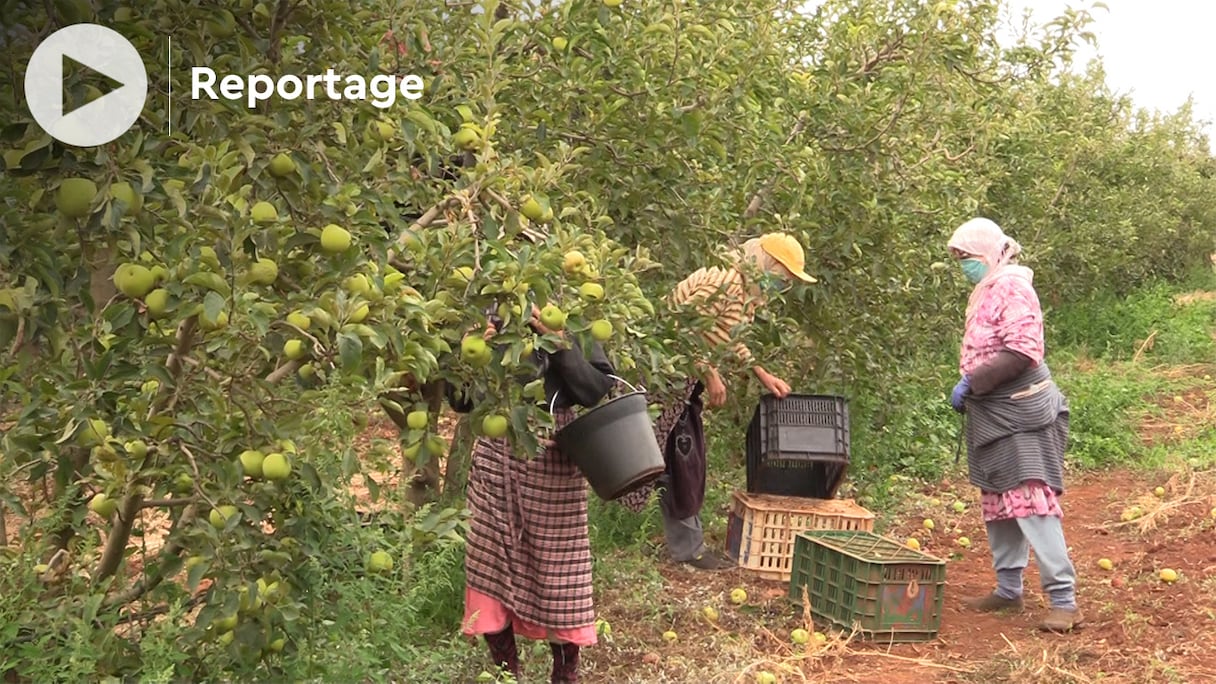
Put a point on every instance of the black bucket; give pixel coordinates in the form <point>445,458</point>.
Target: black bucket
<point>614,446</point>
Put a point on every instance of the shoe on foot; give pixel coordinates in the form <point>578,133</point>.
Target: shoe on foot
<point>711,560</point>
<point>993,603</point>
<point>1061,620</point>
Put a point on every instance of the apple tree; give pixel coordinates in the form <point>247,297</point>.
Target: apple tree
<point>195,316</point>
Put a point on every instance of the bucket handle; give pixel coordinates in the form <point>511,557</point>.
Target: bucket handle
<point>553,401</point>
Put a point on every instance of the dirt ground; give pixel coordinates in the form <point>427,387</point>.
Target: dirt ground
<point>1137,627</point>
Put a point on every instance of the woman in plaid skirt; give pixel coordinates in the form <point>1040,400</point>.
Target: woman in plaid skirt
<point>528,559</point>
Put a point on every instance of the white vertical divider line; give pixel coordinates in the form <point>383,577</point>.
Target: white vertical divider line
<point>169,59</point>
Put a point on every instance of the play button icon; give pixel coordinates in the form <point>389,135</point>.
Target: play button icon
<point>97,49</point>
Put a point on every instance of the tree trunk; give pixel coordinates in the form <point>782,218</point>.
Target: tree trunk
<point>74,464</point>
<point>421,485</point>
<point>460,458</point>
<point>116,540</point>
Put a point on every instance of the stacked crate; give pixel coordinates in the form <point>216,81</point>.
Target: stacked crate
<point>797,457</point>
<point>789,527</point>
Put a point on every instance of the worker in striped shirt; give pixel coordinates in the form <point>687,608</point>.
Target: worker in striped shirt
<point>726,299</point>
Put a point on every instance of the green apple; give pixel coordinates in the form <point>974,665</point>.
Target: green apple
<point>601,330</point>
<point>494,426</point>
<point>75,196</point>
<point>103,505</point>
<point>93,433</point>
<point>263,272</point>
<point>134,280</point>
<point>335,239</point>
<point>251,462</point>
<point>299,320</point>
<point>276,467</point>
<point>126,194</point>
<point>157,302</point>
<point>294,349</point>
<point>553,317</point>
<point>591,291</point>
<point>264,212</point>
<point>282,165</point>
<point>380,561</point>
<point>219,516</point>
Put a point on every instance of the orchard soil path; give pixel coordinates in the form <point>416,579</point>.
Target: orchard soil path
<point>1137,629</point>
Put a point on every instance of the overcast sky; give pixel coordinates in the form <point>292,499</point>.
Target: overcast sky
<point>1157,51</point>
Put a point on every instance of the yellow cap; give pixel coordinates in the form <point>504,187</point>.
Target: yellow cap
<point>785,249</point>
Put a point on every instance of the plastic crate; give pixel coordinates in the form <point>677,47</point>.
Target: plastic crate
<point>863,581</point>
<point>761,528</point>
<point>798,446</point>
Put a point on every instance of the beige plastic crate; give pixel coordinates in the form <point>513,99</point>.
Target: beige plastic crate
<point>761,530</point>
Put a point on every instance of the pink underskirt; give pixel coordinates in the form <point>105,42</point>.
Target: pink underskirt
<point>487,615</point>
<point>1027,499</point>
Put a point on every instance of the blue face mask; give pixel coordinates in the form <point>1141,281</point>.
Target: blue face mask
<point>772,284</point>
<point>974,270</point>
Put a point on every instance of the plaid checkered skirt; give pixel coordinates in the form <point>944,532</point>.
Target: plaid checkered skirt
<point>527,543</point>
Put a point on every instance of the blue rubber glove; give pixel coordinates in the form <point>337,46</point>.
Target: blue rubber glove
<point>961,389</point>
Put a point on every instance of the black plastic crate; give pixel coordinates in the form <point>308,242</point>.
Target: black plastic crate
<point>798,446</point>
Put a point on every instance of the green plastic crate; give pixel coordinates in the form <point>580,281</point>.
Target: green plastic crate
<point>864,581</point>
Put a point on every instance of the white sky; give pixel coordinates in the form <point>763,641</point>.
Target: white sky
<point>1157,51</point>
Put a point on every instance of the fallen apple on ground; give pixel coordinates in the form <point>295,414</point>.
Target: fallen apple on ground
<point>380,561</point>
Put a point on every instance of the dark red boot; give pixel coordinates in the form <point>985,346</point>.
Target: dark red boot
<point>504,651</point>
<point>565,663</point>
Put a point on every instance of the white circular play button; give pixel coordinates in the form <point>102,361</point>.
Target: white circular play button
<point>101,50</point>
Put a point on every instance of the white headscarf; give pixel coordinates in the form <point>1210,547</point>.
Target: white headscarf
<point>984,238</point>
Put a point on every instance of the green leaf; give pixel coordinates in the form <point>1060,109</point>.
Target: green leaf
<point>208,280</point>
<point>375,162</point>
<point>213,304</point>
<point>519,420</point>
<point>420,117</point>
<point>350,351</point>
<point>196,574</point>
<point>311,477</point>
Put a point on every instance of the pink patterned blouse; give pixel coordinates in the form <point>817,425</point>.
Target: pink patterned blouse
<point>1006,315</point>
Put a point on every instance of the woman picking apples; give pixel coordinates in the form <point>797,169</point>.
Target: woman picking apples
<point>728,296</point>
<point>1017,424</point>
<point>528,559</point>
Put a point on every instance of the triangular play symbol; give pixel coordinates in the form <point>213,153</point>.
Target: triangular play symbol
<point>87,76</point>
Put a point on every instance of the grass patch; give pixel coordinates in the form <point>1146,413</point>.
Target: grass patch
<point>1161,323</point>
